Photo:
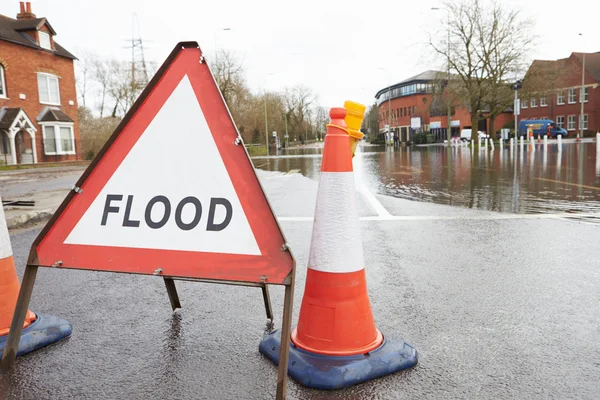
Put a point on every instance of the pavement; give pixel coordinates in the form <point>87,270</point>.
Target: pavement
<point>499,306</point>
<point>46,186</point>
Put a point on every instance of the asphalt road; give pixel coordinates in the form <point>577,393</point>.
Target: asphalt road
<point>499,307</point>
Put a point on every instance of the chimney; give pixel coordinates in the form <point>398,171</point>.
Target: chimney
<point>25,11</point>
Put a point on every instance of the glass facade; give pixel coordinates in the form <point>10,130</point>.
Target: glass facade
<point>405,90</point>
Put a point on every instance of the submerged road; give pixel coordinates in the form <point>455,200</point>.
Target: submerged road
<point>498,308</point>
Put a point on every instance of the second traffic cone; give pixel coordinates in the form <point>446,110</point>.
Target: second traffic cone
<point>38,330</point>
<point>336,343</point>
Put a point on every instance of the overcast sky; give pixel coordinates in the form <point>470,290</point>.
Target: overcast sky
<point>340,49</point>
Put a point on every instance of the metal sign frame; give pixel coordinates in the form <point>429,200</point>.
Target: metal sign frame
<point>33,262</point>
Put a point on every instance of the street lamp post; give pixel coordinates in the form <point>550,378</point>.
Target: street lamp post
<point>582,94</point>
<point>266,124</point>
<point>215,41</point>
<point>517,108</point>
<point>266,117</point>
<point>449,107</point>
<point>389,117</point>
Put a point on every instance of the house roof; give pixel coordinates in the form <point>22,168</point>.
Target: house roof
<point>9,118</point>
<point>549,69</point>
<point>12,30</point>
<point>592,63</point>
<point>53,115</point>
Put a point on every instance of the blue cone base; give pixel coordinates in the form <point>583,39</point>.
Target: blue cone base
<point>334,372</point>
<point>45,330</point>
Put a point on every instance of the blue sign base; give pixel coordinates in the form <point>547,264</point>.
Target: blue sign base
<point>334,372</point>
<point>45,330</point>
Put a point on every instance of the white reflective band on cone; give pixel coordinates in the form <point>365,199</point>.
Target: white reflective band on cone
<point>5,248</point>
<point>336,245</point>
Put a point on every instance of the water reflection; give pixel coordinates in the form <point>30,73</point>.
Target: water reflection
<point>525,178</point>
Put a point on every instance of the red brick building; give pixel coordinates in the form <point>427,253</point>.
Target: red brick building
<point>38,102</point>
<point>558,97</point>
<point>412,98</point>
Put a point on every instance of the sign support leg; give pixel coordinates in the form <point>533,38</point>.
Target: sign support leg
<point>172,292</point>
<point>267,299</point>
<point>286,327</point>
<point>16,326</point>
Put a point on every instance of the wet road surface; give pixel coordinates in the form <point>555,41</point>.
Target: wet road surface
<point>497,308</point>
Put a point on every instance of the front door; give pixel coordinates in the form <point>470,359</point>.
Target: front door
<point>24,148</point>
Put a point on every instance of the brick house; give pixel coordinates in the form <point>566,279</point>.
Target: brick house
<point>414,98</point>
<point>553,91</point>
<point>38,102</point>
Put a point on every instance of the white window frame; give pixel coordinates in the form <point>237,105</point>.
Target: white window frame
<point>543,102</point>
<point>571,119</point>
<point>574,92</point>
<point>42,34</point>
<point>57,125</point>
<point>533,102</point>
<point>48,77</point>
<point>3,95</point>
<point>586,94</point>
<point>585,121</point>
<point>523,103</point>
<point>560,121</point>
<point>560,98</point>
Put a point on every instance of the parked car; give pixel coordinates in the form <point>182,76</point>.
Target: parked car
<point>540,127</point>
<point>465,134</point>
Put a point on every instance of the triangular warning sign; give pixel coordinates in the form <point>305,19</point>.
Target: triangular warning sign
<point>173,190</point>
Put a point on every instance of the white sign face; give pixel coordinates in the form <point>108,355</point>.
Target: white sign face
<point>149,203</point>
<point>435,124</point>
<point>455,123</point>
<point>517,107</point>
<point>415,122</point>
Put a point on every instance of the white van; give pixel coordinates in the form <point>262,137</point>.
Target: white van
<point>465,134</point>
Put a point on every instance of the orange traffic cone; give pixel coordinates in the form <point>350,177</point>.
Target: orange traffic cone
<point>38,331</point>
<point>336,343</point>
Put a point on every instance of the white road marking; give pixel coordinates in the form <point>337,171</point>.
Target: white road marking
<point>376,204</point>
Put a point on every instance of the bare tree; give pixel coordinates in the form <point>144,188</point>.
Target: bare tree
<point>84,72</point>
<point>298,101</point>
<point>229,74</point>
<point>487,42</point>
<point>102,76</point>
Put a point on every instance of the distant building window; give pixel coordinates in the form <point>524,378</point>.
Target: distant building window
<point>2,82</point>
<point>405,114</point>
<point>585,95</point>
<point>414,110</point>
<point>584,124</point>
<point>58,139</point>
<point>44,40</point>
<point>543,102</point>
<point>560,121</point>
<point>48,89</point>
<point>572,96</point>
<point>533,103</point>
<point>524,104</point>
<point>571,123</point>
<point>560,98</point>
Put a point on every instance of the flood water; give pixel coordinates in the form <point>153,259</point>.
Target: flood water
<point>538,179</point>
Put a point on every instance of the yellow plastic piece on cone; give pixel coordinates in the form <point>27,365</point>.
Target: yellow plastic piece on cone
<point>355,113</point>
